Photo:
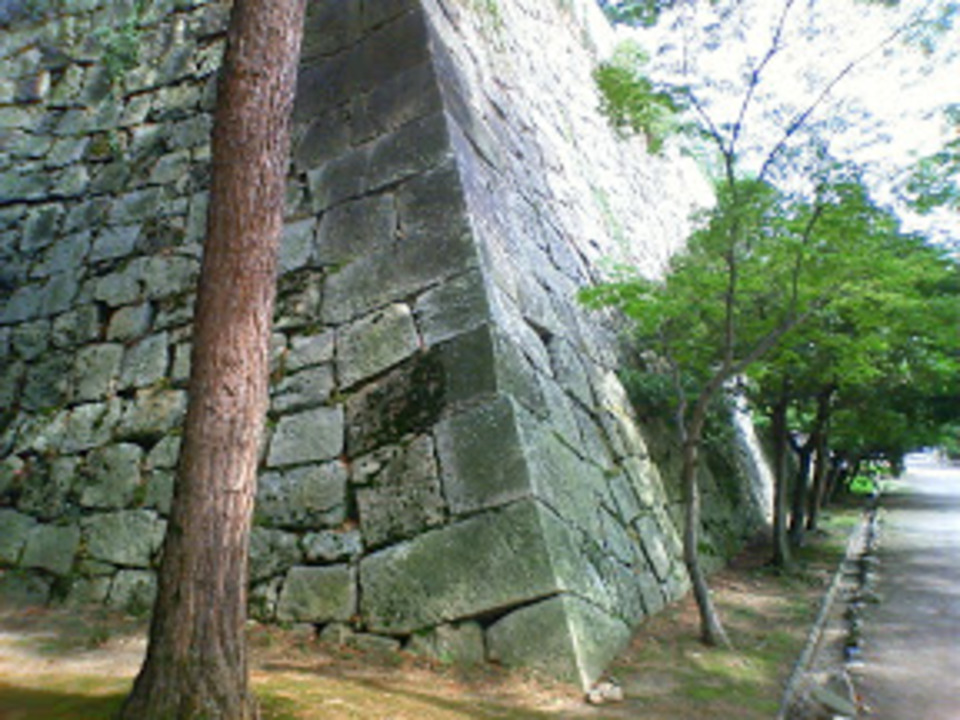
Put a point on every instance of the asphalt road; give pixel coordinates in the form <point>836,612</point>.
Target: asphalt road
<point>911,647</point>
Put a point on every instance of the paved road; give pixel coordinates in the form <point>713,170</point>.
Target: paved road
<point>912,639</point>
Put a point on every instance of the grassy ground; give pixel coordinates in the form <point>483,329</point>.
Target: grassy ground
<point>58,665</point>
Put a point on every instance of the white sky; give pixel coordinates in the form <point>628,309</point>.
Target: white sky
<point>893,99</point>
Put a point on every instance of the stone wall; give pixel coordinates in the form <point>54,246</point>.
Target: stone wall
<point>452,464</point>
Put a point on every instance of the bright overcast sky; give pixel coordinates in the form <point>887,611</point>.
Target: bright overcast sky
<point>893,101</point>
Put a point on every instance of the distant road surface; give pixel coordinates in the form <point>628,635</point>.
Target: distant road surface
<point>911,647</point>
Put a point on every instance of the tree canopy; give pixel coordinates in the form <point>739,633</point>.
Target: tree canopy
<point>801,273</point>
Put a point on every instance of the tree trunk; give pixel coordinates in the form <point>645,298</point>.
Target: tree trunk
<point>196,664</point>
<point>782,556</point>
<point>821,472</point>
<point>711,628</point>
<point>801,488</point>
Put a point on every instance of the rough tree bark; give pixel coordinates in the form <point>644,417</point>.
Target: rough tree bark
<point>196,664</point>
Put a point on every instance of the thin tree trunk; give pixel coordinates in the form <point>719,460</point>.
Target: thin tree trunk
<point>782,557</point>
<point>711,628</point>
<point>196,664</point>
<point>821,470</point>
<point>801,489</point>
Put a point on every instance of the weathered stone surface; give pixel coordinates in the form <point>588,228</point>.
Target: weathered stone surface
<point>96,371</point>
<point>15,529</point>
<point>130,323</point>
<point>452,309</point>
<point>154,412</point>
<point>432,579</point>
<point>85,592</point>
<point>356,228</point>
<point>52,548</point>
<point>396,272</point>
<point>404,496</point>
<point>159,490</point>
<point>44,494</point>
<point>332,545</point>
<point>305,498</point>
<point>296,246</point>
<point>113,476</point>
<point>407,400</point>
<point>90,425</point>
<point>31,339</point>
<point>298,299</point>
<point>145,362</point>
<point>410,95</point>
<point>115,242</point>
<point>318,595</point>
<point>651,538</point>
<point>263,600</point>
<point>563,637</point>
<point>272,552</point>
<point>22,589</point>
<point>307,388</point>
<point>310,436</point>
<point>375,343</point>
<point>164,454</point>
<point>482,457</point>
<point>460,644</point>
<point>47,383</point>
<point>133,591</point>
<point>129,538</point>
<point>310,350</point>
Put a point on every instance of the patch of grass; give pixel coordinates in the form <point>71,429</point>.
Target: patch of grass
<point>54,699</point>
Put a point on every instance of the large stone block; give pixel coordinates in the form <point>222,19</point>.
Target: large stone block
<point>460,644</point>
<point>308,497</point>
<point>482,456</point>
<point>46,494</point>
<point>96,371</point>
<point>52,548</point>
<point>153,413</point>
<point>356,228</point>
<point>564,637</point>
<point>272,552</point>
<point>318,595</point>
<point>130,538</point>
<point>310,436</point>
<point>453,308</point>
<point>407,400</point>
<point>47,383</point>
<point>145,362</point>
<point>375,343</point>
<point>300,390</point>
<point>489,561</point>
<point>395,273</point>
<point>403,496</point>
<point>113,476</point>
<point>15,529</point>
<point>90,425</point>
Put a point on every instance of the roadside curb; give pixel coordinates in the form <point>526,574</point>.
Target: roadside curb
<point>819,680</point>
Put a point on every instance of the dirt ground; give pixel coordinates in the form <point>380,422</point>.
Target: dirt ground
<point>60,664</point>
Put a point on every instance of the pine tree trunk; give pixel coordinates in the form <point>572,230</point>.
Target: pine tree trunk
<point>196,664</point>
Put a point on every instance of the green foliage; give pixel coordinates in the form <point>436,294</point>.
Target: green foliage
<point>645,13</point>
<point>120,45</point>
<point>632,102</point>
<point>935,181</point>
